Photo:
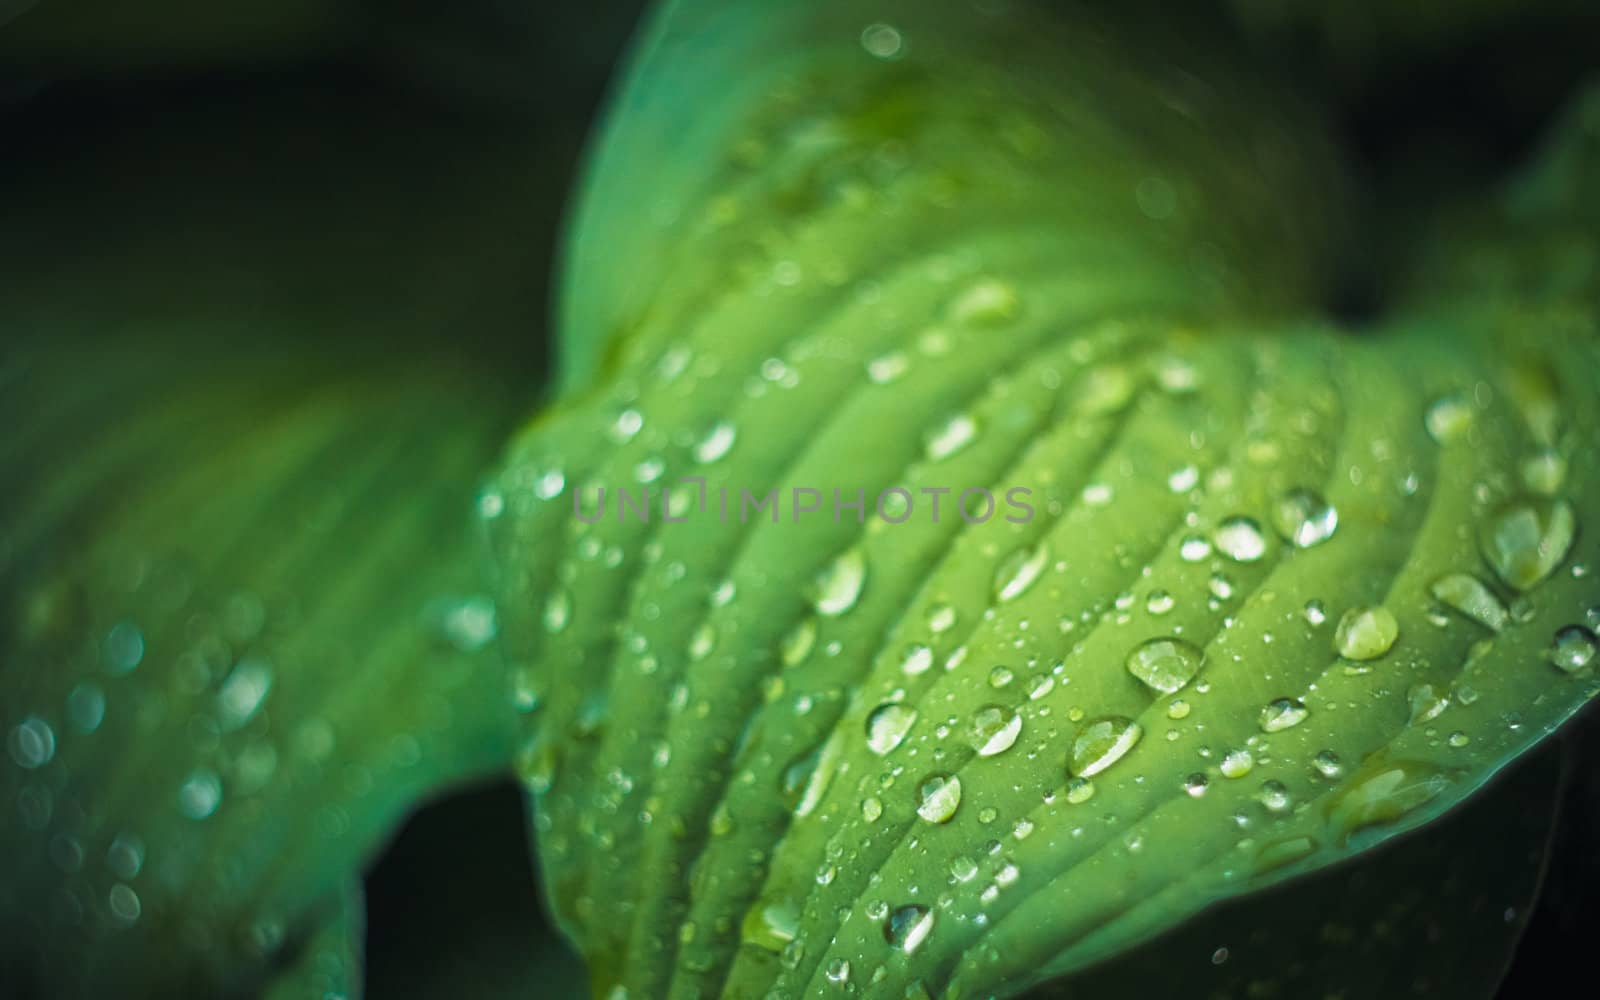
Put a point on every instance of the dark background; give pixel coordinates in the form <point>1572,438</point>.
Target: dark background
<point>432,147</point>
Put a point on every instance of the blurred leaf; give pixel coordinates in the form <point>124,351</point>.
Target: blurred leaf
<point>252,383</point>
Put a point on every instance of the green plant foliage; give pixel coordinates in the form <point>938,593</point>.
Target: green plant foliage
<point>1287,591</point>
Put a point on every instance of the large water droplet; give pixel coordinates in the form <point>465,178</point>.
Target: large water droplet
<point>907,927</point>
<point>887,726</point>
<point>1527,539</point>
<point>1366,633</point>
<point>1573,648</point>
<point>1472,598</point>
<point>1304,519</point>
<point>1240,539</point>
<point>838,587</point>
<point>1384,793</point>
<point>1018,571</point>
<point>1101,744</point>
<point>939,797</point>
<point>1283,713</point>
<point>1165,665</point>
<point>995,729</point>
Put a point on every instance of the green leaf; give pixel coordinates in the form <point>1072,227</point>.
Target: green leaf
<point>1285,592</point>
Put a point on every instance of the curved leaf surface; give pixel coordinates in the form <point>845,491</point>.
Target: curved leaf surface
<point>1281,592</point>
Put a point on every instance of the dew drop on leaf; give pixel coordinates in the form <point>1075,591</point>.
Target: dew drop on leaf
<point>1283,713</point>
<point>1573,648</point>
<point>995,729</point>
<point>1304,519</point>
<point>938,797</point>
<point>838,587</point>
<point>1102,743</point>
<point>907,927</point>
<point>1240,539</point>
<point>1165,665</point>
<point>1018,571</point>
<point>1472,598</point>
<point>887,726</point>
<point>1366,633</point>
<point>1524,541</point>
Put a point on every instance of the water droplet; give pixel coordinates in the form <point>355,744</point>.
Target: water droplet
<point>1426,703</point>
<point>838,587</point>
<point>1283,713</point>
<point>1573,648</point>
<point>1196,784</point>
<point>838,972</point>
<point>950,437</point>
<point>1102,743</point>
<point>871,809</point>
<point>908,927</point>
<point>1079,790</point>
<point>200,794</point>
<point>717,443</point>
<point>1328,764</point>
<point>1472,598</point>
<point>1018,571</point>
<point>917,659</point>
<point>1240,539</point>
<point>1183,480</point>
<point>32,743</point>
<point>1385,792</point>
<point>1304,519</point>
<point>1001,676</point>
<point>941,618</point>
<point>1237,764</point>
<point>938,797</point>
<point>1366,633</point>
<point>1314,613</point>
<point>796,645</point>
<point>1448,419</point>
<point>995,729</point>
<point>1527,539</point>
<point>1193,549</point>
<point>1279,853</point>
<point>1165,665</point>
<point>1274,797</point>
<point>887,726</point>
